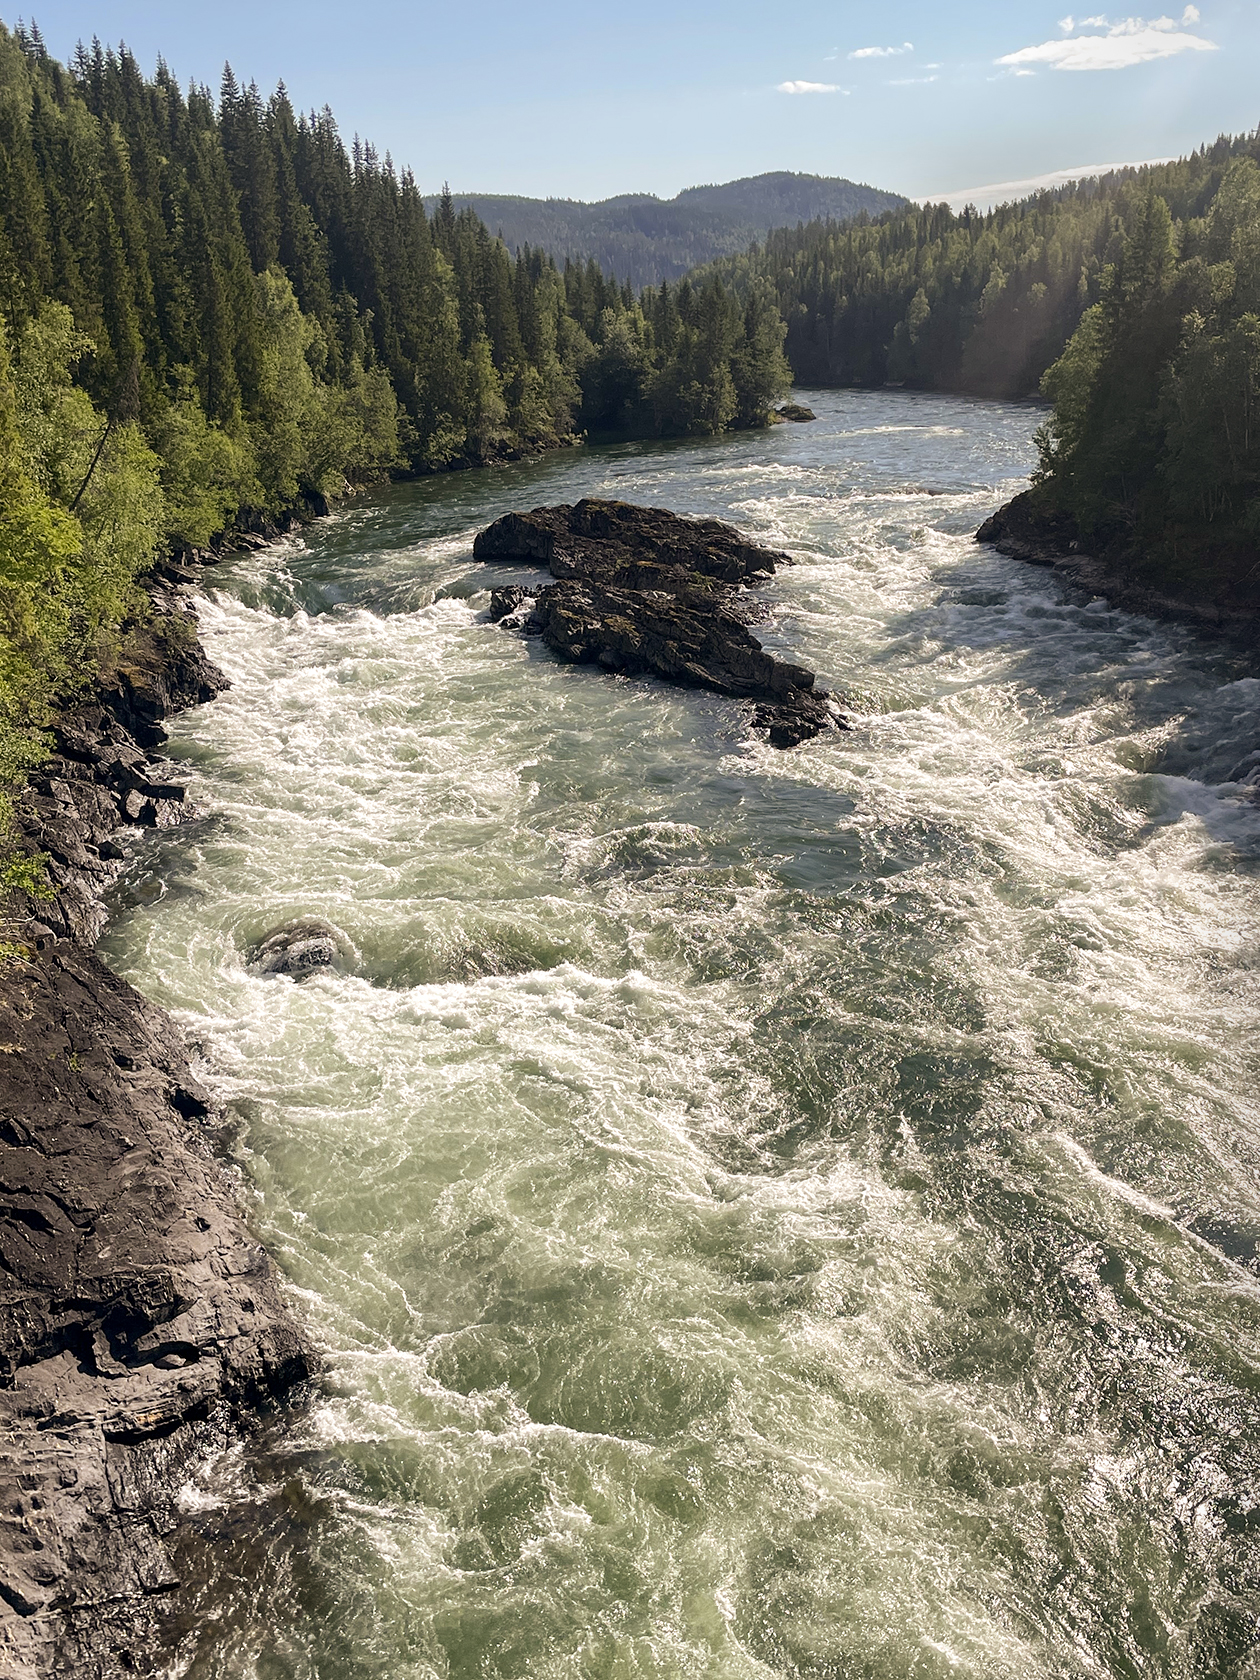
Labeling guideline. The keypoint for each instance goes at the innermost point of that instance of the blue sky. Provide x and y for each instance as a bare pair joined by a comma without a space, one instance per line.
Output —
572,98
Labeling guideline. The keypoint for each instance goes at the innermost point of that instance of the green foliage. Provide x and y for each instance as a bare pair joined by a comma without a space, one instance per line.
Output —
207,475
282,318
1154,443
26,872
677,361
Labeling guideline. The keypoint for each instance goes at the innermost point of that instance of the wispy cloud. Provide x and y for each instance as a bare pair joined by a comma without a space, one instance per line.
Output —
883,52
912,81
1113,46
808,87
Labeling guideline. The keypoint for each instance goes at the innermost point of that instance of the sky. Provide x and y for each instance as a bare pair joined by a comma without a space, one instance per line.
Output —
568,98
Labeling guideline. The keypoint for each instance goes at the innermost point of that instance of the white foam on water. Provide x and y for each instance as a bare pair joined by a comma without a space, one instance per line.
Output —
766,1213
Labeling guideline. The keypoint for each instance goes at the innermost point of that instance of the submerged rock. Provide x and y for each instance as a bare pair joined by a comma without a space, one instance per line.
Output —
642,590
299,948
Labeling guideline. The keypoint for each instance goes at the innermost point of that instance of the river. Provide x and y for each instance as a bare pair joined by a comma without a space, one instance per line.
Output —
766,1214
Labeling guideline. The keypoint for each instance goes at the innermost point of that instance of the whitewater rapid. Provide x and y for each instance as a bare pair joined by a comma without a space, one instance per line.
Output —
767,1214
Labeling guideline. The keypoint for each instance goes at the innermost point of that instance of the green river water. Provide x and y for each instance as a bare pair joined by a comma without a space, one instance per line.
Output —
765,1214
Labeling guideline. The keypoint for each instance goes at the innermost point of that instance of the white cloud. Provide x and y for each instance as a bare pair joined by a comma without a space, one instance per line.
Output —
883,52
912,81
1129,41
808,87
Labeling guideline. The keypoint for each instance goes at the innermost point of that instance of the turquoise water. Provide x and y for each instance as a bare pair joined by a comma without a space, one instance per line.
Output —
765,1214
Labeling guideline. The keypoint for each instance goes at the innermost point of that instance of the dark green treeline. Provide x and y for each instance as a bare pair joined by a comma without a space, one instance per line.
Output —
214,311
1132,303
1153,446
241,263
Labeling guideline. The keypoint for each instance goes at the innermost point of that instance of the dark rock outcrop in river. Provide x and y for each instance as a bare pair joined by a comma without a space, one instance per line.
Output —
140,1323
1026,532
641,590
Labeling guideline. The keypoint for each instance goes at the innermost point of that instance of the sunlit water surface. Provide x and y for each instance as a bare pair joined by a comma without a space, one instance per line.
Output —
766,1214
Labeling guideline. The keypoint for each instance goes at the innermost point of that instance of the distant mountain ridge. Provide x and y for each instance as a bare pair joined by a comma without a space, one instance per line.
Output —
645,239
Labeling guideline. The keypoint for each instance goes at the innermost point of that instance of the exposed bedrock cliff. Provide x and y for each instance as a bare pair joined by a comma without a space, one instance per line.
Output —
141,1325
641,590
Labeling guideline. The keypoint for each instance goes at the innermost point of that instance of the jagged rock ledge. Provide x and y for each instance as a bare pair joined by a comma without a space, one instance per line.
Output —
141,1325
641,590
1026,529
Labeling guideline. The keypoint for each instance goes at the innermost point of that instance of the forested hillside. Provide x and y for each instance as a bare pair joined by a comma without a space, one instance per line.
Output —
972,303
1153,448
646,239
213,312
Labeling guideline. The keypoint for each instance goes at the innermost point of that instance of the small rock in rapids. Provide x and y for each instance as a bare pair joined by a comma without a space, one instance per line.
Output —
506,603
299,948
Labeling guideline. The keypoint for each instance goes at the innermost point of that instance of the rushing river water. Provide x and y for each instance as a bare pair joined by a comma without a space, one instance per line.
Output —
767,1214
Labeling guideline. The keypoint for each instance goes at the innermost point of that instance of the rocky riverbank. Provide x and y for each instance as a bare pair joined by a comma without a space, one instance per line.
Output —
1026,529
643,591
141,1325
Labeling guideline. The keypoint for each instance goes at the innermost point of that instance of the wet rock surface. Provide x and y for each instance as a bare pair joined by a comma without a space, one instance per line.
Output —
644,591
141,1325
105,773
299,948
1025,529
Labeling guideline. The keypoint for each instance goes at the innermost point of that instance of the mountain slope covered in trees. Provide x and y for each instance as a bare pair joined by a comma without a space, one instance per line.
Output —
646,239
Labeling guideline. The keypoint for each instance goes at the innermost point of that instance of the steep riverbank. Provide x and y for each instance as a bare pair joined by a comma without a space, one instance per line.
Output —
1026,529
142,1325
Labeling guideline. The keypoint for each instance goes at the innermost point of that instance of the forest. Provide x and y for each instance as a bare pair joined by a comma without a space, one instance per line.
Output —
648,239
214,312
1153,445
